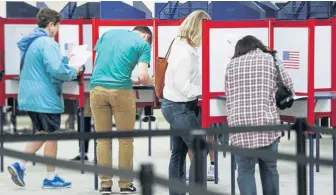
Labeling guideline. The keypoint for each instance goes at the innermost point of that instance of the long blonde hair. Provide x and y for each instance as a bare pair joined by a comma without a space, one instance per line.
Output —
191,28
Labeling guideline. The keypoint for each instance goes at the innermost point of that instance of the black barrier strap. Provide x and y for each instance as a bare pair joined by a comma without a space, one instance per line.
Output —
172,183
271,155
135,133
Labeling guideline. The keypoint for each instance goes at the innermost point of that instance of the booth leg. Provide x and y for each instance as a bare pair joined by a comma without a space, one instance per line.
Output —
216,158
1,144
317,147
233,175
150,118
81,128
311,165
334,158
289,131
95,162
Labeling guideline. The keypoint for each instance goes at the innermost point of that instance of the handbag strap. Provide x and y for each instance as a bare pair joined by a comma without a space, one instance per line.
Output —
169,49
277,67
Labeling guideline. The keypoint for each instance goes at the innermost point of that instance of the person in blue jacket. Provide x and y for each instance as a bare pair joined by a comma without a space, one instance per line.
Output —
43,70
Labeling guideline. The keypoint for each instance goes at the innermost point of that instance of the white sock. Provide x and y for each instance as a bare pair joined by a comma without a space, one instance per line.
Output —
51,175
22,164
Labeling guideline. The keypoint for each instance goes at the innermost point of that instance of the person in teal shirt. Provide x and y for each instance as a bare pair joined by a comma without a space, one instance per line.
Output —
118,52
43,70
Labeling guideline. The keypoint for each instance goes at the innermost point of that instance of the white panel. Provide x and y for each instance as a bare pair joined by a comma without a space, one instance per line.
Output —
218,108
295,40
12,86
222,44
103,29
71,88
13,33
322,69
166,35
68,34
144,95
87,39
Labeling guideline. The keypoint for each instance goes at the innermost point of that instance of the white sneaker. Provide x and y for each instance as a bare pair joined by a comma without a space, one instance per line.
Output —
211,173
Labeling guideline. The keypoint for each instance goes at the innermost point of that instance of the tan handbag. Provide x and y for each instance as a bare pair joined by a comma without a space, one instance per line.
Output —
160,71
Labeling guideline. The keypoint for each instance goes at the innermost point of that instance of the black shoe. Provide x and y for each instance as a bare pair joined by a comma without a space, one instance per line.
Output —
105,191
128,190
78,158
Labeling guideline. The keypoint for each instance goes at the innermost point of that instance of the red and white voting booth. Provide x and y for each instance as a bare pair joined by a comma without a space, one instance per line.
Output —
312,68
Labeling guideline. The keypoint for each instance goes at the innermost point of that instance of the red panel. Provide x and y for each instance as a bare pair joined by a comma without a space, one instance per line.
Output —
323,89
169,22
213,95
2,61
311,66
271,34
125,22
291,24
205,74
20,21
156,51
333,70
81,42
323,22
95,37
238,24
217,119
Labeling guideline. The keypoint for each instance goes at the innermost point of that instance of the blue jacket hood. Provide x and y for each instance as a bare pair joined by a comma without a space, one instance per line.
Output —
25,41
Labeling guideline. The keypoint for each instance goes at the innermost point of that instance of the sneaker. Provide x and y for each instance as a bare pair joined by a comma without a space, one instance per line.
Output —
130,189
78,158
17,174
57,182
105,191
211,173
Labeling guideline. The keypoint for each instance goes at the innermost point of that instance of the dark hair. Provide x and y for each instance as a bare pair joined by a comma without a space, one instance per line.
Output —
46,15
250,43
146,30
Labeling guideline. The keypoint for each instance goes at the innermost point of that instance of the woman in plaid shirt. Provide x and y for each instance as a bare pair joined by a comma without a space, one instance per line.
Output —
250,85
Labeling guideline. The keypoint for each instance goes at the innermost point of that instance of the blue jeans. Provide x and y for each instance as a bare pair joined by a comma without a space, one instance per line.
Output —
180,115
268,173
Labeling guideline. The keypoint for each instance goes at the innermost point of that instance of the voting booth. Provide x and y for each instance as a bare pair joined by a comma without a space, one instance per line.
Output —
304,47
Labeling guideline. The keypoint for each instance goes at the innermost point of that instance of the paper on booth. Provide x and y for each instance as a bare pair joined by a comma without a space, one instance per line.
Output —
80,56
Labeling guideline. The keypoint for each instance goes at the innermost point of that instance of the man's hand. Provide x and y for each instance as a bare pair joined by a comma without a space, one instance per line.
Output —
80,70
136,82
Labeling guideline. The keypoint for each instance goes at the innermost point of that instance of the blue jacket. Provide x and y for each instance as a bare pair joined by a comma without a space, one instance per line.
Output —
43,72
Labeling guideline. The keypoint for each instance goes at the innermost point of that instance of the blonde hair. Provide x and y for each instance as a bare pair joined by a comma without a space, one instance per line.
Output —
191,28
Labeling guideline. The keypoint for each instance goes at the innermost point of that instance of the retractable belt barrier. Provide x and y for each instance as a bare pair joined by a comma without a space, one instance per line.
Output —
197,185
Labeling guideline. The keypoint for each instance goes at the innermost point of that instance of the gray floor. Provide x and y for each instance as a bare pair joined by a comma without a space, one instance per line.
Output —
83,183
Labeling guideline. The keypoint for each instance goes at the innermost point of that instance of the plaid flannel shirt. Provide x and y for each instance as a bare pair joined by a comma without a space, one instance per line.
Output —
250,86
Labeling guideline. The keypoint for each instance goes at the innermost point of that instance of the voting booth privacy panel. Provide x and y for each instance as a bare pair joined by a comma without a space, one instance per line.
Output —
305,48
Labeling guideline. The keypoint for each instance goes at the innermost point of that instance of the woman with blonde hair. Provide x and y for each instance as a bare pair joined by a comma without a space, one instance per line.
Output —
182,86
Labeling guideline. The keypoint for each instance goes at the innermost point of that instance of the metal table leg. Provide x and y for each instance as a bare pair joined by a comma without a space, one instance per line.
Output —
81,128
311,165
233,175
334,158
1,133
216,159
317,147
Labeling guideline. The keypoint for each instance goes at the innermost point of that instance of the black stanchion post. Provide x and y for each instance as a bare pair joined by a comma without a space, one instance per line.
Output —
199,153
146,179
301,126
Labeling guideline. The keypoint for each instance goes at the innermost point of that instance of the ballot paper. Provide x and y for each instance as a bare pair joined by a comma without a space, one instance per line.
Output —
80,56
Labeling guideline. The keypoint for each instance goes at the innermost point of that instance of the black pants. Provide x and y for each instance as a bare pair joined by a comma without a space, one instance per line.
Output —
87,129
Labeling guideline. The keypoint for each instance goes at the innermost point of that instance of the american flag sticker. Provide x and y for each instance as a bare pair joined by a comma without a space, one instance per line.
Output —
291,59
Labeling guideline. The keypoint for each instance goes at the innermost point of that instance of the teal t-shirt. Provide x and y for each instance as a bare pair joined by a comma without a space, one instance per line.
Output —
118,52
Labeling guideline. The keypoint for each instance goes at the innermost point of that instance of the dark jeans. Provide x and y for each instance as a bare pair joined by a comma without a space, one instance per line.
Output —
180,115
268,173
87,129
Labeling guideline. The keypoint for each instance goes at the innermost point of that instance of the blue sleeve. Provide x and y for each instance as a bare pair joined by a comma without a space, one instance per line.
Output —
145,54
56,64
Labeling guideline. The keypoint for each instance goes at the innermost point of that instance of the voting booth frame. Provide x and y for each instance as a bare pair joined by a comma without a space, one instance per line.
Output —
78,91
